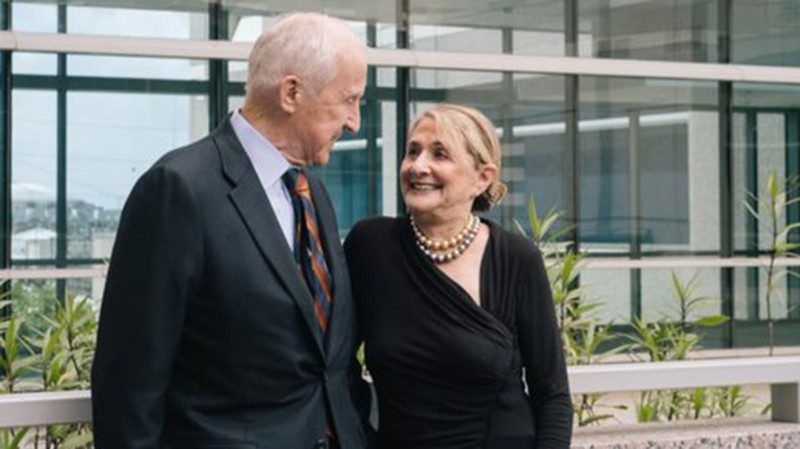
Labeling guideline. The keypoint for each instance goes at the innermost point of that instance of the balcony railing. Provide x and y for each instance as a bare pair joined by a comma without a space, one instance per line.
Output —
781,373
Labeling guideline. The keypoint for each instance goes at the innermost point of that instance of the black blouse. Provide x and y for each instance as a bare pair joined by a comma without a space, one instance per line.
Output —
449,372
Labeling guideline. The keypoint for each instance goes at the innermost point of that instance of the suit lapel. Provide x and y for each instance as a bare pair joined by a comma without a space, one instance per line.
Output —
250,200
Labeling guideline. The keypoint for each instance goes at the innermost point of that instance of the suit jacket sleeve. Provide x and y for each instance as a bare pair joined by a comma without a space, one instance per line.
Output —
154,272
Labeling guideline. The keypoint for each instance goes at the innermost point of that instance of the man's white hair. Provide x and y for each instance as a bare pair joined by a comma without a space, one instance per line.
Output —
307,45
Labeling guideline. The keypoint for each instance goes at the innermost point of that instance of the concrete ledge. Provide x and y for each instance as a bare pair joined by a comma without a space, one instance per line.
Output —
744,433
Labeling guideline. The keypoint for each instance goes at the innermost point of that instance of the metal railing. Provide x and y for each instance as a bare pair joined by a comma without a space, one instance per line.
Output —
782,373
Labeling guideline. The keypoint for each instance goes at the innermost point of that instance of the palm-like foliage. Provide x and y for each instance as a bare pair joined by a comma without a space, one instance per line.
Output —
770,212
55,354
667,340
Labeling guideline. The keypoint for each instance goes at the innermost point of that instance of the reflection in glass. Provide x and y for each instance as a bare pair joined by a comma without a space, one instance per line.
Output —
33,172
445,38
659,299
112,138
669,30
611,289
648,165
765,32
766,139
535,28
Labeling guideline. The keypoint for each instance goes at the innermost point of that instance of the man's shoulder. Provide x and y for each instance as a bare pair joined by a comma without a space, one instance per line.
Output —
191,166
197,153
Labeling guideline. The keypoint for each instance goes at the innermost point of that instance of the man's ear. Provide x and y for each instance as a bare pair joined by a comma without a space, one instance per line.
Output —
289,93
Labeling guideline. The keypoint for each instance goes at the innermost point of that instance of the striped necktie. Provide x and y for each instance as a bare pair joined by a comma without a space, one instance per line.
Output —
308,251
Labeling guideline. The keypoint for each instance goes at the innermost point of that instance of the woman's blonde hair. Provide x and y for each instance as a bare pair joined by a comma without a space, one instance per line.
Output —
470,127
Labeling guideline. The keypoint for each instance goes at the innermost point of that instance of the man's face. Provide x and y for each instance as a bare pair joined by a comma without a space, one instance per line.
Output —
320,120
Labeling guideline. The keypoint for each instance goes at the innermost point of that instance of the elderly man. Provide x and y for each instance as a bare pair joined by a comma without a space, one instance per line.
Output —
227,320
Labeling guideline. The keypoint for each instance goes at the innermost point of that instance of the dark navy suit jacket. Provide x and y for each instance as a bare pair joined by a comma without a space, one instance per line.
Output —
207,335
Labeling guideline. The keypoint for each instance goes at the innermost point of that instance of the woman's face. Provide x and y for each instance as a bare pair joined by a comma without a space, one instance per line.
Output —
438,177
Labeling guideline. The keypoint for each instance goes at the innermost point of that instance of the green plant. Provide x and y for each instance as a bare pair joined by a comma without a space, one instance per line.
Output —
54,354
665,340
773,204
730,401
12,438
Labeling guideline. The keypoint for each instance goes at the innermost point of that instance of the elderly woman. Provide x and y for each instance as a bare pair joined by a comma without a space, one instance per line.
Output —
454,310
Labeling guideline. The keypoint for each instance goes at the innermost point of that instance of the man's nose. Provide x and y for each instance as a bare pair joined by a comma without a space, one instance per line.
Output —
353,121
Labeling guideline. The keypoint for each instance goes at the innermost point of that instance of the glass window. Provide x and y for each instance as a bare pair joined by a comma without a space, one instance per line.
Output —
660,299
520,27
670,30
112,138
750,306
765,32
34,17
652,144
34,302
137,22
33,173
247,20
765,140
611,288
137,67
534,163
33,63
451,38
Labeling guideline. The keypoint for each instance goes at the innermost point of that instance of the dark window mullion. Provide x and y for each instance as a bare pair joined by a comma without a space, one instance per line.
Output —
726,171
403,88
61,157
217,68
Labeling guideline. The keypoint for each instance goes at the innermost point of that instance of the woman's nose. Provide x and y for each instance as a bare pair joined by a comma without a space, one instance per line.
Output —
421,164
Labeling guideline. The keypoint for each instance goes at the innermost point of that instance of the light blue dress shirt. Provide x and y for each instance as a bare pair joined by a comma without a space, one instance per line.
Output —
270,165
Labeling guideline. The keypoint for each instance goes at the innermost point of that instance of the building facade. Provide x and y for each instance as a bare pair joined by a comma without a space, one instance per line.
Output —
650,123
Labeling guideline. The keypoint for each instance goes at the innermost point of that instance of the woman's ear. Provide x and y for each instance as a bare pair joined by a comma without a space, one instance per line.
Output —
289,93
487,174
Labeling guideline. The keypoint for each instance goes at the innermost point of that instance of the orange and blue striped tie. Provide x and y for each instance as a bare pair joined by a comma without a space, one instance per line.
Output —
308,251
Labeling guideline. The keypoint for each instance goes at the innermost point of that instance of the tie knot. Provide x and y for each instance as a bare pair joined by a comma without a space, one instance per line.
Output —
295,180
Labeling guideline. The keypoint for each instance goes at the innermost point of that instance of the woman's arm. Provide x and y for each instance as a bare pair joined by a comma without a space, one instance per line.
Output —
543,358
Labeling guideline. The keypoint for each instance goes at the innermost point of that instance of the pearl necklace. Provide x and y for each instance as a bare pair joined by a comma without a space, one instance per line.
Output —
445,250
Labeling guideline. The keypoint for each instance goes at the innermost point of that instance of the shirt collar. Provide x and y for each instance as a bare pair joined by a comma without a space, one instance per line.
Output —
268,162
